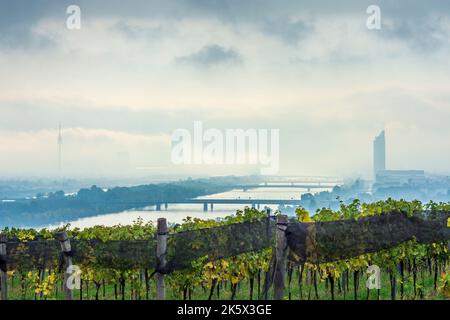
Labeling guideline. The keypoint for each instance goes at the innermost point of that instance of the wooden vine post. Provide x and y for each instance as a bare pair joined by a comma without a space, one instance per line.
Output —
280,267
3,271
161,250
269,236
66,250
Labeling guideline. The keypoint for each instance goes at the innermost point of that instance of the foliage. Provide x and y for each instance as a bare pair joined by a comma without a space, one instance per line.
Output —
404,263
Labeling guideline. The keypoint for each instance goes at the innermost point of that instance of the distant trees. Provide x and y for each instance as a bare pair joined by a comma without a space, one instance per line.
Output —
58,207
56,195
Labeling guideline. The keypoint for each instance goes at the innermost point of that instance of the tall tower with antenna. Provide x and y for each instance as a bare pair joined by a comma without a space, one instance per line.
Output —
59,150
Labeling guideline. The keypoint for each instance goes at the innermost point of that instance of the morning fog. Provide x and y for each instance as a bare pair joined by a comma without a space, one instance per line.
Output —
230,147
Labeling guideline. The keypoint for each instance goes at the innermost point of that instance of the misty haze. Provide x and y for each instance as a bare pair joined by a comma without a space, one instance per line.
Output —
146,121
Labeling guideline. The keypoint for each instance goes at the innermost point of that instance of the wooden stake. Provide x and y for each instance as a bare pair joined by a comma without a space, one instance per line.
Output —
3,273
280,267
66,248
269,236
161,249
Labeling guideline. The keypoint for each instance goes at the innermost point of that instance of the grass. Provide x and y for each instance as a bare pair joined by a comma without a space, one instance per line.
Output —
424,290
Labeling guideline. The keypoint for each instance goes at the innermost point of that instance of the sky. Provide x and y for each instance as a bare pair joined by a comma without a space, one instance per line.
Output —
138,70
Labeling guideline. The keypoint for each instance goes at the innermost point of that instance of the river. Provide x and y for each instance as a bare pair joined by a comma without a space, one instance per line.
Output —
177,212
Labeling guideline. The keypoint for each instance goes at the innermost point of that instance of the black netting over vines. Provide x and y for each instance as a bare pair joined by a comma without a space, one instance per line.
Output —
218,242
182,249
30,255
42,254
117,254
335,240
313,242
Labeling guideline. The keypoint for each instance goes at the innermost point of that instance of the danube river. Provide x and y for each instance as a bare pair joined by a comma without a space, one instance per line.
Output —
177,212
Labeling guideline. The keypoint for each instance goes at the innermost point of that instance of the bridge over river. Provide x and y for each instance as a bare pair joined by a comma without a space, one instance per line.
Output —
280,182
254,203
308,187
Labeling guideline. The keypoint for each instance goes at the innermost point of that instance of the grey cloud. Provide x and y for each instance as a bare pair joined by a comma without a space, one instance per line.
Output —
23,11
289,32
133,31
18,16
336,57
21,37
258,10
17,19
421,35
211,55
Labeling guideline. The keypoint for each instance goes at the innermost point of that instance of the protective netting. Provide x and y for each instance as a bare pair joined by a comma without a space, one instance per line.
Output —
218,242
42,254
117,254
182,249
313,242
336,240
30,255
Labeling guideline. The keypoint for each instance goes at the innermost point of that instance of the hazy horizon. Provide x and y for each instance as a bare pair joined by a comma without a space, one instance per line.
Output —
139,70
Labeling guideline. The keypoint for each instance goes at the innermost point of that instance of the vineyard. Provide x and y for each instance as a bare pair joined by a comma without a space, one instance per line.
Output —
245,256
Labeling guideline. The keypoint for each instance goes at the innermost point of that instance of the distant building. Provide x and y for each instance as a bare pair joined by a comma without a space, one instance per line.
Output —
400,177
391,178
379,153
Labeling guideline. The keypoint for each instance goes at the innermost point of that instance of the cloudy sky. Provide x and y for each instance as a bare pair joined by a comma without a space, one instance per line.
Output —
138,70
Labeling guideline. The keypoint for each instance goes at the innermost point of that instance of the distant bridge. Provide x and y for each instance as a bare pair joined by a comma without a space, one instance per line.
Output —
311,179
307,183
246,187
254,203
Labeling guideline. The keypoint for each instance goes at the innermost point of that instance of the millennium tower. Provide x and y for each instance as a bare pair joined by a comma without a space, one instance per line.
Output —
379,153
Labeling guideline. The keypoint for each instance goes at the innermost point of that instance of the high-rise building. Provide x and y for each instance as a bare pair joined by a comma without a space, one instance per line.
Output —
392,178
379,153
